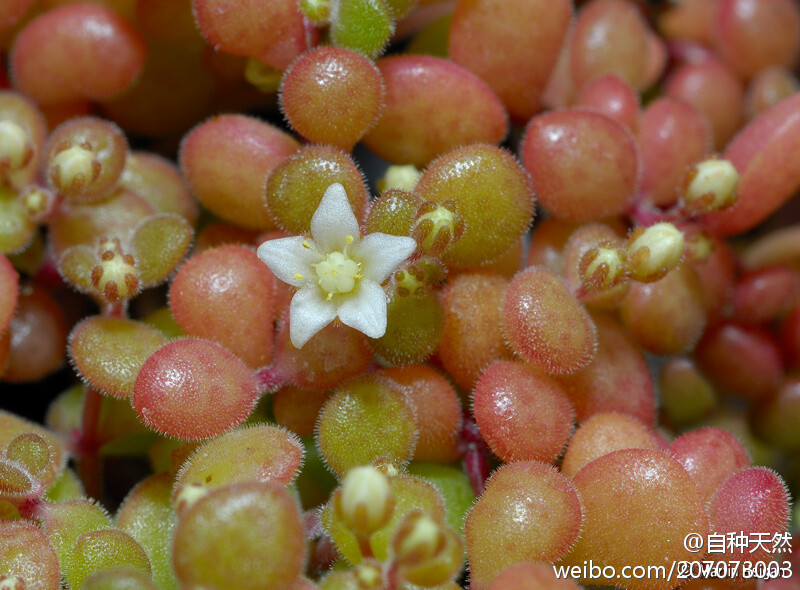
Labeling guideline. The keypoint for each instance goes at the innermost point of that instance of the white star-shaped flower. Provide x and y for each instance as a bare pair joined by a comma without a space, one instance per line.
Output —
339,273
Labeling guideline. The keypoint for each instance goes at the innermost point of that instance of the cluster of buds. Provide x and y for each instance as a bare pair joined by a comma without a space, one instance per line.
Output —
424,550
651,252
647,256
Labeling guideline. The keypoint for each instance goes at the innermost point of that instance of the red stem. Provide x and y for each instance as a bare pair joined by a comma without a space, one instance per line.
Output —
89,441
89,444
364,546
391,576
477,468
473,450
118,309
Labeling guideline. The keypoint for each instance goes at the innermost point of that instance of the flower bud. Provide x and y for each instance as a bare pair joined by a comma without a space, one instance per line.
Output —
116,276
410,281
420,276
189,494
12,583
38,202
437,226
266,78
364,502
697,246
427,552
402,177
602,268
16,147
710,186
653,251
74,167
417,539
368,574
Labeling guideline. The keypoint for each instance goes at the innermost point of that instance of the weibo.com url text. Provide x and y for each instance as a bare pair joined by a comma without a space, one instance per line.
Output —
679,570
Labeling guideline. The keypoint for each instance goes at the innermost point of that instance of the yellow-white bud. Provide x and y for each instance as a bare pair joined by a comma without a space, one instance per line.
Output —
38,202
697,246
402,177
16,148
653,251
711,185
602,268
437,226
12,583
265,78
74,168
368,574
427,551
418,538
365,502
189,494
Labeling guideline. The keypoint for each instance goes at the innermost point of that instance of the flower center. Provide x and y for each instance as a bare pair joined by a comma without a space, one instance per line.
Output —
338,273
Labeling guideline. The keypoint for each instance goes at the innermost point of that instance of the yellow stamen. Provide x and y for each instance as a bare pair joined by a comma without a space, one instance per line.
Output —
337,273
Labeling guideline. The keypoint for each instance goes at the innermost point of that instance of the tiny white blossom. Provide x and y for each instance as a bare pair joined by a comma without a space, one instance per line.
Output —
339,273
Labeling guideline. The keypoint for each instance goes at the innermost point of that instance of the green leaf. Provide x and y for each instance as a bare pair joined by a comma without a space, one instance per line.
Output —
362,25
132,445
158,245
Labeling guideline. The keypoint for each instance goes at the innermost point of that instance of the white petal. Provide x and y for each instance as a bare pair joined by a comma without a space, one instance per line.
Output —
287,256
365,310
333,220
309,312
380,254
